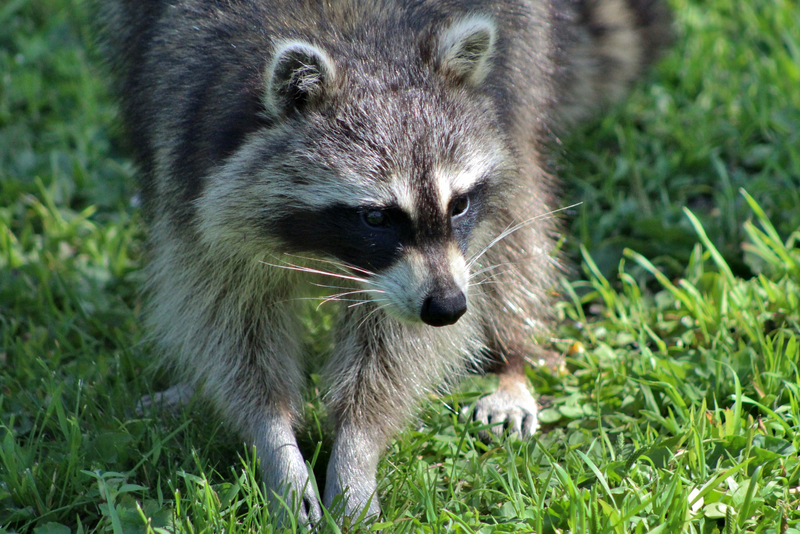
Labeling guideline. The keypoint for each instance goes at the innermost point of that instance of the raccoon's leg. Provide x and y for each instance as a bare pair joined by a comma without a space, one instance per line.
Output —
265,400
353,467
376,375
360,432
513,306
247,358
283,468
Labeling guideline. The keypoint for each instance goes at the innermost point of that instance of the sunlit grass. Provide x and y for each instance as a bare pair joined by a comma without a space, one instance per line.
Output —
677,408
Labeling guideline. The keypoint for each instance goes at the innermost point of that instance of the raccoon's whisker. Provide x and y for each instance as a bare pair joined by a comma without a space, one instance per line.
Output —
355,292
340,295
327,286
493,276
317,298
365,301
357,301
490,268
511,229
346,289
487,281
343,265
311,270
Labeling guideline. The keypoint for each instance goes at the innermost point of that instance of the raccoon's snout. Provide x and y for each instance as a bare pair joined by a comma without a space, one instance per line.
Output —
443,308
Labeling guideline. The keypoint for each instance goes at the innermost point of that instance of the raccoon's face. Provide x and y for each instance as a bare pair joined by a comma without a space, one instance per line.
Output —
392,171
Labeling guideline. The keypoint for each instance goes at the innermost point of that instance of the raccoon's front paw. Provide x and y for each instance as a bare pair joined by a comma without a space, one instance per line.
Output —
352,472
287,474
358,497
511,407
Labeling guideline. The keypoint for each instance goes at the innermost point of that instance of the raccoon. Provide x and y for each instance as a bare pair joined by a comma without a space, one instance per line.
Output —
393,151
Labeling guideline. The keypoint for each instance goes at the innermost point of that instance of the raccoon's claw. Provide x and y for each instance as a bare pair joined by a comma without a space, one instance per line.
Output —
310,512
511,408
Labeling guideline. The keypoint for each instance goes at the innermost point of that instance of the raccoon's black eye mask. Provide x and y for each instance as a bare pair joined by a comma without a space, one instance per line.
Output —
371,237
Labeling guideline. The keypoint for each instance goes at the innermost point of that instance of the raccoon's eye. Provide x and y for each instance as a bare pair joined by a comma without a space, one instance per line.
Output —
375,218
460,206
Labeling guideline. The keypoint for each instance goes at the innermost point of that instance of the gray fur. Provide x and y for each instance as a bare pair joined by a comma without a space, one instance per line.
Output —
277,137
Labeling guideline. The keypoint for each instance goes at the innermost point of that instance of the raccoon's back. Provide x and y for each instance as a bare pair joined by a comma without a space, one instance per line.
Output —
189,79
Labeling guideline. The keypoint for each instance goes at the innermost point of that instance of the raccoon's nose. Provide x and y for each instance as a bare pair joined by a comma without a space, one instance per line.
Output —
442,309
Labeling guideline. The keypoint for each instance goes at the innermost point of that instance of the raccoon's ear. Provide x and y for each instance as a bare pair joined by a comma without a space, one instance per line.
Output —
299,75
465,49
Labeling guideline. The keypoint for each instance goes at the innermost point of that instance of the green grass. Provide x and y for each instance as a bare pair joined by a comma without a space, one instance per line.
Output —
677,408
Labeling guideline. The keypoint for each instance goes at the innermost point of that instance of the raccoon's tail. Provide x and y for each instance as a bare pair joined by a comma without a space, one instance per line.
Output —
610,44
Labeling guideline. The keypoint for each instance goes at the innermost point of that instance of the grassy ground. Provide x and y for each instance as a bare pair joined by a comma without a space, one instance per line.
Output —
678,407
